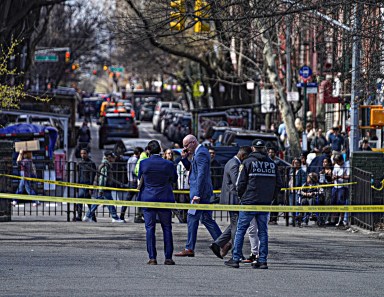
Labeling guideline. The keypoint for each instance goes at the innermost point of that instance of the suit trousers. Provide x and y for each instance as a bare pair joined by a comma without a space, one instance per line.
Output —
165,217
230,232
193,224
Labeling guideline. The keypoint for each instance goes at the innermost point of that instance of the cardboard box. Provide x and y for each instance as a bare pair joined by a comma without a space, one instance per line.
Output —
30,146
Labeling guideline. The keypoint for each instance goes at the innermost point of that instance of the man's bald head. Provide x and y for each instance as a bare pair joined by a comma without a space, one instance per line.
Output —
190,143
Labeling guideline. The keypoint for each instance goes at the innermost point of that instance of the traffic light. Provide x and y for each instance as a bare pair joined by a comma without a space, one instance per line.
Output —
67,57
202,13
177,15
75,66
94,72
105,67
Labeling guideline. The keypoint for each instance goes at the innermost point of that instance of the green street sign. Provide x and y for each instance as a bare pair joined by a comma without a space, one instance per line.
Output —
50,58
116,69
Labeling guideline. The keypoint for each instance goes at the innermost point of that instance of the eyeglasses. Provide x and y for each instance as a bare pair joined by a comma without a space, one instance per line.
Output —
186,146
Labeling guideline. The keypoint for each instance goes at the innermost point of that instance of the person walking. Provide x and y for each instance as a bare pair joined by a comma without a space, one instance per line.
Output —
158,175
200,192
104,179
257,184
27,169
86,169
132,179
228,196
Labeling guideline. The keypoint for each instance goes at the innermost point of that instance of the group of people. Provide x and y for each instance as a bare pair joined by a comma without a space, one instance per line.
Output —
250,178
328,168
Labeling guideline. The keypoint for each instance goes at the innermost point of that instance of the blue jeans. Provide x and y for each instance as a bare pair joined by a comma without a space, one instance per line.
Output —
245,217
339,196
27,185
111,208
193,225
165,217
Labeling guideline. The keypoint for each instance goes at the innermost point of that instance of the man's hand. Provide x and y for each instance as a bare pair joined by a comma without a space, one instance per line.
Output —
196,199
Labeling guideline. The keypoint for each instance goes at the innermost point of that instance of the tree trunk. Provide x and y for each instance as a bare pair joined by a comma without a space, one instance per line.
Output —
284,106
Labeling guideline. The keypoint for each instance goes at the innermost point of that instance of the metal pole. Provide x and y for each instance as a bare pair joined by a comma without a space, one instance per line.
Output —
304,144
354,137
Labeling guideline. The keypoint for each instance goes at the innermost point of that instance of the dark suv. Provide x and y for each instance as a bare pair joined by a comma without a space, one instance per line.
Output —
245,137
115,126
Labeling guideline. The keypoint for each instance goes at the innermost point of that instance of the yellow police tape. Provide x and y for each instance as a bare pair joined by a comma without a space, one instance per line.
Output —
379,189
217,207
92,187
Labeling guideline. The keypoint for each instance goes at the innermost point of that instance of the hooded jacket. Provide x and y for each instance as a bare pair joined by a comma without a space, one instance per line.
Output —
258,180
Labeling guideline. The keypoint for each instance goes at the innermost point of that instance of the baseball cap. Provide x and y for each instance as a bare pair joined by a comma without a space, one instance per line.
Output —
109,154
258,143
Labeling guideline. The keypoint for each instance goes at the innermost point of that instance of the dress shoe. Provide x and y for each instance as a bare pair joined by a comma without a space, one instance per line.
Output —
226,248
258,265
215,249
232,263
152,262
169,262
185,253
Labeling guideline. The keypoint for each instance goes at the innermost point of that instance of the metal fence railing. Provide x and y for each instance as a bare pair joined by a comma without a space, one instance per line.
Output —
360,194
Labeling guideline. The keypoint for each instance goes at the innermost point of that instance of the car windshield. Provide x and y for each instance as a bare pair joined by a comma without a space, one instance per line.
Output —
120,121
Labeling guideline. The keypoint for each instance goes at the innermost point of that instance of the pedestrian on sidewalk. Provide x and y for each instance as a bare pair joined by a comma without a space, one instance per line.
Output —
86,169
104,178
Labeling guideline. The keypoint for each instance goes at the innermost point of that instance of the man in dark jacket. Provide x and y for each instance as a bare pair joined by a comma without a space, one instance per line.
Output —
228,196
158,176
317,163
87,172
257,184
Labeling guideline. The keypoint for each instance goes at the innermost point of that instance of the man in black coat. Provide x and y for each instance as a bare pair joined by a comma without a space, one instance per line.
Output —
257,183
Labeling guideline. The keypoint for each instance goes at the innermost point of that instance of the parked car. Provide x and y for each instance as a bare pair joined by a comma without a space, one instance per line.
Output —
180,127
146,111
125,147
160,106
114,126
245,137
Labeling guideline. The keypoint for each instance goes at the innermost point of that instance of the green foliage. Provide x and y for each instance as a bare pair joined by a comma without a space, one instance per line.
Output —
11,94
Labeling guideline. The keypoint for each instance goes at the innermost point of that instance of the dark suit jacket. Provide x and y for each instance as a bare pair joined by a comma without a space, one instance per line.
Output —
228,190
159,175
200,175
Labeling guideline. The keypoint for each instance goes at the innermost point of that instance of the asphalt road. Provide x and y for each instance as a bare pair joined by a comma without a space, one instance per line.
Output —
146,131
51,257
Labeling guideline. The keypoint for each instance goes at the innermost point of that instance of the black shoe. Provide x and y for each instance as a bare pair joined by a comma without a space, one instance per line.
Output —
258,265
252,258
139,220
215,249
169,262
232,263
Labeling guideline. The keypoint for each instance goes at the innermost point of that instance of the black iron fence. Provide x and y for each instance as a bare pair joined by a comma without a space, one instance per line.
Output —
361,193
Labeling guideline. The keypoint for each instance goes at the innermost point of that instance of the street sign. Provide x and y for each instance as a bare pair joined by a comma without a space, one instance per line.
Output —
46,58
305,72
309,85
116,69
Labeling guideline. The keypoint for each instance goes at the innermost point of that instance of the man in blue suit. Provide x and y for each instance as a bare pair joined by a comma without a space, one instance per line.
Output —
200,192
158,176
